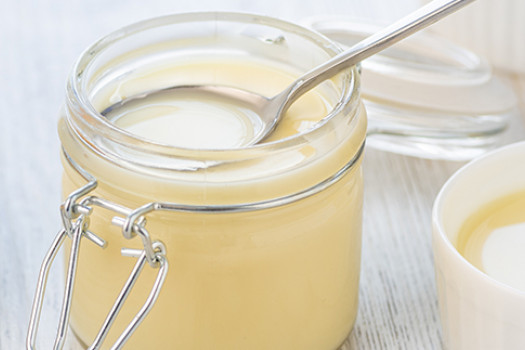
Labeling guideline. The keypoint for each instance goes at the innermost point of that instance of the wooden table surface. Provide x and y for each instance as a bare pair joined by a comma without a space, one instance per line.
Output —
39,41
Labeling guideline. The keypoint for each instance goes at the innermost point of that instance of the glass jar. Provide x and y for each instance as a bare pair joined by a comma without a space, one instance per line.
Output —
263,241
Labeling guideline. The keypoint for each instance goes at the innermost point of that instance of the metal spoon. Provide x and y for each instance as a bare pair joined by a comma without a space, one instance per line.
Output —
271,110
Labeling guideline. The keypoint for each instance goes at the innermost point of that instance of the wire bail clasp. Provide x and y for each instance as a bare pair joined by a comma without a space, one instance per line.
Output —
160,257
75,217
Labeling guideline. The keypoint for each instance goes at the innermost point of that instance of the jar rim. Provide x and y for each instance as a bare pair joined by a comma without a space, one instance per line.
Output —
83,114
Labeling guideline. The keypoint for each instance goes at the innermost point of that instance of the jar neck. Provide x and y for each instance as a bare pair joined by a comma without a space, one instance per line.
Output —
102,148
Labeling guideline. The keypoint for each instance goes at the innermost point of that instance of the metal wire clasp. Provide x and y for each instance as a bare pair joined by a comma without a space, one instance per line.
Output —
75,217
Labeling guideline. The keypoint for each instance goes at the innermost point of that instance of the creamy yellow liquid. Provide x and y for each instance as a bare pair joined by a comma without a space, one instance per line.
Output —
493,240
279,278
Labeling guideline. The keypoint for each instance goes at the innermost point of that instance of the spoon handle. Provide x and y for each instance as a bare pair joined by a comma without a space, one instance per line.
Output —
406,26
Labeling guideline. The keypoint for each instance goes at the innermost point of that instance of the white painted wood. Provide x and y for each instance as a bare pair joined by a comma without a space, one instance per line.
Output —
39,41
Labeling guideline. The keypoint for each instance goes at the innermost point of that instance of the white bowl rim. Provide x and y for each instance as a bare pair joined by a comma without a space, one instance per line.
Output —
437,221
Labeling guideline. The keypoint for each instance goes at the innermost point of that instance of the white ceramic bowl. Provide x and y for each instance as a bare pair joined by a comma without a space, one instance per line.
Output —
477,312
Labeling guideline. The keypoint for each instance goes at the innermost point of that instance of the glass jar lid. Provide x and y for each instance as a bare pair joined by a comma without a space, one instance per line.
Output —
425,96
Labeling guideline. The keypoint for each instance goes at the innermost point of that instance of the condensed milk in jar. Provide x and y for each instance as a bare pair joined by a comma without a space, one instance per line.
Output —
182,234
